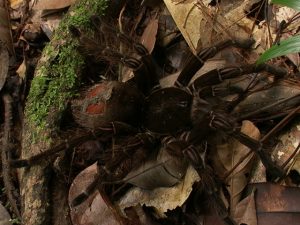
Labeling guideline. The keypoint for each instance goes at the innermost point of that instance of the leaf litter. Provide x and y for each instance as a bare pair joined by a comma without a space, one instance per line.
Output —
201,25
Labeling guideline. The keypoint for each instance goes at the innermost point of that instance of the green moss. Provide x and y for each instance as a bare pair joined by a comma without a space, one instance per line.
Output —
56,77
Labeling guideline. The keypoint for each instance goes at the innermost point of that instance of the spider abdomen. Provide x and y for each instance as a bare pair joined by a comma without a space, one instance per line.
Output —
109,101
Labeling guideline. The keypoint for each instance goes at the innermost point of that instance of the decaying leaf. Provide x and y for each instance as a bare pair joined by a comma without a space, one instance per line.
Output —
5,218
148,38
53,4
228,155
78,185
94,208
245,211
165,171
4,62
276,198
277,204
202,24
21,71
162,199
98,214
286,148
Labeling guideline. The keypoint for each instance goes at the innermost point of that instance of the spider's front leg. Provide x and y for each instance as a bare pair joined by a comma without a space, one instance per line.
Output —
216,76
195,62
196,156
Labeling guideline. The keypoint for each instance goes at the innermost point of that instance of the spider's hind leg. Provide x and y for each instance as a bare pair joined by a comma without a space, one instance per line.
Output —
227,124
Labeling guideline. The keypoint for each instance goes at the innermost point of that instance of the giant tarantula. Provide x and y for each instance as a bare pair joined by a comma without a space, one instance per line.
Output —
182,117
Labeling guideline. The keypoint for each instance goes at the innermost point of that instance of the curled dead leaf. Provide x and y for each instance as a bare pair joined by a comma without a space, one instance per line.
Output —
165,171
162,199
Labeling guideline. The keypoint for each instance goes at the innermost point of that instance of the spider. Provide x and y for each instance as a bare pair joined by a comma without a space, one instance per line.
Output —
180,116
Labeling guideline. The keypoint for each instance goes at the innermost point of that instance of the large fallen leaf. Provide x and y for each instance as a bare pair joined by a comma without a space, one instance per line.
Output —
277,204
94,210
245,211
165,170
53,4
202,24
276,198
162,199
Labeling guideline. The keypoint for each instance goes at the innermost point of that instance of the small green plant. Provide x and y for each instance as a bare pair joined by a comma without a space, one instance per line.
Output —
287,46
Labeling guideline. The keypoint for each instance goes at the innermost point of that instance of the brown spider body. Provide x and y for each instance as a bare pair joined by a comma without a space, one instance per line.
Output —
143,113
106,102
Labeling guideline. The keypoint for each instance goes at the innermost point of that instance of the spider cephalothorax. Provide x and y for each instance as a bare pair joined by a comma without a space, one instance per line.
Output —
147,114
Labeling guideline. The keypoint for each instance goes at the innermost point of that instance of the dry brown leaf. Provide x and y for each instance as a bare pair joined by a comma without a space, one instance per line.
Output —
165,171
286,13
162,199
245,211
276,204
202,24
286,146
78,185
4,63
148,38
53,4
21,71
276,198
138,216
280,218
228,155
5,218
98,214
94,208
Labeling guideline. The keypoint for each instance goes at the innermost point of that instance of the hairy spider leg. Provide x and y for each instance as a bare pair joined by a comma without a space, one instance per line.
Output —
105,132
195,62
203,85
283,107
217,76
226,123
196,156
208,181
